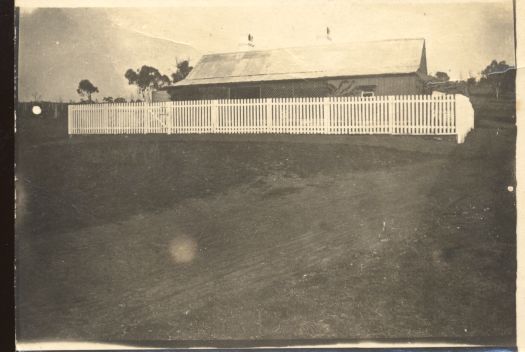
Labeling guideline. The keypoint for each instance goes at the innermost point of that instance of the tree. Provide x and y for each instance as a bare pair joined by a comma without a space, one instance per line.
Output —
495,67
442,76
471,81
86,88
343,89
107,99
36,97
146,79
183,69
119,100
497,74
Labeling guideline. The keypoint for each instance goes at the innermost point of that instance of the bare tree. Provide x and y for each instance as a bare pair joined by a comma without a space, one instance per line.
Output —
35,97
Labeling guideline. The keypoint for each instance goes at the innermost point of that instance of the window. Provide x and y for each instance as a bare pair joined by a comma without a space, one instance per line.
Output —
245,92
367,91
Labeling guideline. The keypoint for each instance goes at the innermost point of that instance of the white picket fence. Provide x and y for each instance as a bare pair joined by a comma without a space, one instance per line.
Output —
402,115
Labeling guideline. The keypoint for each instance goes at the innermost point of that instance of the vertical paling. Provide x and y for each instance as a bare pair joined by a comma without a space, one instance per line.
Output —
408,115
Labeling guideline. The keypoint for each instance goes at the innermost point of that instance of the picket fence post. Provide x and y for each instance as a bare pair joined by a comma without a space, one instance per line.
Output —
326,114
168,120
214,116
458,123
69,119
269,114
391,114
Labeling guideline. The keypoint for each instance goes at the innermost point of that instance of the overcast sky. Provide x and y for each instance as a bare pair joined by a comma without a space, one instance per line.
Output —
462,37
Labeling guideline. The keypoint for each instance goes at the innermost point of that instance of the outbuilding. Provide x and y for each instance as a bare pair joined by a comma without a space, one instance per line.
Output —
387,67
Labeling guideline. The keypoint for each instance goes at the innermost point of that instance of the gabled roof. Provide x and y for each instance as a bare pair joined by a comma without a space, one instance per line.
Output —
330,60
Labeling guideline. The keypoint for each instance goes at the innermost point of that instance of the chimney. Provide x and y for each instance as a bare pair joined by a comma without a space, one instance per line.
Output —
324,37
250,40
248,44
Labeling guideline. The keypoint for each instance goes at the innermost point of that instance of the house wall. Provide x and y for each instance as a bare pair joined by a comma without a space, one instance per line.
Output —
160,95
384,85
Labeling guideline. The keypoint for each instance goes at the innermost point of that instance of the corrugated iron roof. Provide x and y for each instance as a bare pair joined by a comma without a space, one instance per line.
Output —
331,60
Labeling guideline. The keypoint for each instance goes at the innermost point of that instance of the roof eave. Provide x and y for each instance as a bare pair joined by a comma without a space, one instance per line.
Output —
186,83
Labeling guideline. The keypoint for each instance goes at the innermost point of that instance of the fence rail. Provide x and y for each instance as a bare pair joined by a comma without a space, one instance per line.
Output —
405,115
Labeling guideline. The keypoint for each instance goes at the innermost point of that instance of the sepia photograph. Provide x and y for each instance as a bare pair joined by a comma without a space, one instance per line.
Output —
223,173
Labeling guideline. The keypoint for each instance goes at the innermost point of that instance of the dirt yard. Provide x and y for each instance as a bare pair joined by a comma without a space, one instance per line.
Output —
184,239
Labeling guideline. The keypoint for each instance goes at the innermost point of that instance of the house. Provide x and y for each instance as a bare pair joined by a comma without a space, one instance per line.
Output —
388,67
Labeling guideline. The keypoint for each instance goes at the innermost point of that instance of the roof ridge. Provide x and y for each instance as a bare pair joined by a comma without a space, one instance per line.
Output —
312,46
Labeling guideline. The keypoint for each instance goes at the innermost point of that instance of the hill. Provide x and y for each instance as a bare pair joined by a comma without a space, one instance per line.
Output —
59,47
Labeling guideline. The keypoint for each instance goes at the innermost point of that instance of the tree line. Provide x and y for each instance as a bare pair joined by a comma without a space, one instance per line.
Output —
145,78
498,76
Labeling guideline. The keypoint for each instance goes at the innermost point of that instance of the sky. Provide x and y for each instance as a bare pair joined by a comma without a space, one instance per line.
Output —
462,37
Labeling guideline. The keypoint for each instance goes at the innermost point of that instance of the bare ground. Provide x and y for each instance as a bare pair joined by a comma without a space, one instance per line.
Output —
183,239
